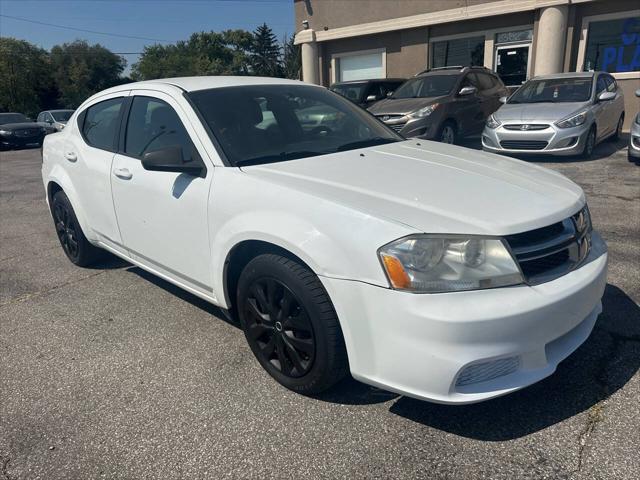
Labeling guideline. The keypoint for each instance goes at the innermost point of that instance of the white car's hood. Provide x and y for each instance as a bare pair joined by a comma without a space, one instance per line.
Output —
434,187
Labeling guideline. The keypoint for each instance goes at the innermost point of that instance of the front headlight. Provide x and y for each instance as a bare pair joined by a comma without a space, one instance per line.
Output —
5,132
492,123
424,112
573,121
437,263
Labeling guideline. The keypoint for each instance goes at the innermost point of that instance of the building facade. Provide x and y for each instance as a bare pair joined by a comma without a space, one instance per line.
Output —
356,39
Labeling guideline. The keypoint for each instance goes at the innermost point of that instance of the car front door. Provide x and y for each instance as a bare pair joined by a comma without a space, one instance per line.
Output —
469,111
163,215
88,157
602,110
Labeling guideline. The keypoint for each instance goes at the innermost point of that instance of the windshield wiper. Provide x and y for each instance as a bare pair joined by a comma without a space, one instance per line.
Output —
279,157
365,143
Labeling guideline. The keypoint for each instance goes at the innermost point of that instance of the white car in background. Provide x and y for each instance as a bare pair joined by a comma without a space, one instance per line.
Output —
427,269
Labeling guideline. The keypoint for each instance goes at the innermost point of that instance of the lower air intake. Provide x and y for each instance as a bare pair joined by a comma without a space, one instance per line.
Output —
481,372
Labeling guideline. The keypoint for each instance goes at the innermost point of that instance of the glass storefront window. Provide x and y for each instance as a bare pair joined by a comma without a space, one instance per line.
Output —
613,45
462,51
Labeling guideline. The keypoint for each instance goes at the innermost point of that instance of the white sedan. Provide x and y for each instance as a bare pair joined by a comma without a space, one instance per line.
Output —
431,270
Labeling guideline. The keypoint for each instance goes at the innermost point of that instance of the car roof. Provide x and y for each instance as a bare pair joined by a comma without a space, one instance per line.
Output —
60,110
554,76
348,82
192,84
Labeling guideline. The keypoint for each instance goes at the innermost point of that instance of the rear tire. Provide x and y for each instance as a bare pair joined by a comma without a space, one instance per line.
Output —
290,324
75,245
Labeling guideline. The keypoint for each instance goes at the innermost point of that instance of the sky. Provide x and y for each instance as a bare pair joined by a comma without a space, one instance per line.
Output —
152,21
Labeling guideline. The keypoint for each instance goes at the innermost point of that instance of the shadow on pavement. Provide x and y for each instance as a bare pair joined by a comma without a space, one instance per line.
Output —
184,295
600,367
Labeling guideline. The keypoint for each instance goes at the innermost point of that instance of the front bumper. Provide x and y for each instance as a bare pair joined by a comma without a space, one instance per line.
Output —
467,347
557,141
12,141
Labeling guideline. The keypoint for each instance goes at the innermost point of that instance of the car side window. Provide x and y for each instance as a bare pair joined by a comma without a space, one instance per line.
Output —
485,81
153,125
601,85
471,80
611,83
100,123
40,118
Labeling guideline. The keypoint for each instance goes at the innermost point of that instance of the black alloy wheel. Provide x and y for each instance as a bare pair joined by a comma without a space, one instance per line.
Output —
66,229
290,324
279,326
75,245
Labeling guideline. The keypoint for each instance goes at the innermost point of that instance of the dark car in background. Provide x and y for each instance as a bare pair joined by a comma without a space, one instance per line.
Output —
17,131
367,92
443,104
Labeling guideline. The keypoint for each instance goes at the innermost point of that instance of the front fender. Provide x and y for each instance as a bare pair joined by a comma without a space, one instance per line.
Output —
333,240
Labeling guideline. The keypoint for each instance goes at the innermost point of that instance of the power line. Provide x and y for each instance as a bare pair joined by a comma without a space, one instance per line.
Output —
86,31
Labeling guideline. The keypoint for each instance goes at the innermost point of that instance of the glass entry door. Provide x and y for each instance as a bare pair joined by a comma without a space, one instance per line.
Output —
512,63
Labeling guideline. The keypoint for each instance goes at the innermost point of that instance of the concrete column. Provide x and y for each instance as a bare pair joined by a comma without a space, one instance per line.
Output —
310,60
550,41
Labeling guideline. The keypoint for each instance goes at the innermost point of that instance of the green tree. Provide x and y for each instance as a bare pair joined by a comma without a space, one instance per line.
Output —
291,59
205,53
265,53
26,84
80,70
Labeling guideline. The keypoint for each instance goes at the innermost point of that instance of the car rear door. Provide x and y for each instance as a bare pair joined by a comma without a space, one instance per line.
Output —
162,215
88,156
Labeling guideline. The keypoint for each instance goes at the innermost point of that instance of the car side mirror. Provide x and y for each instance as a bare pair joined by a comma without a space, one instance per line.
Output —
169,159
504,99
49,121
391,93
606,96
467,91
371,98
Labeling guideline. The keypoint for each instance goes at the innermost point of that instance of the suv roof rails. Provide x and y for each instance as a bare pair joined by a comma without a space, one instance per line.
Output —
462,68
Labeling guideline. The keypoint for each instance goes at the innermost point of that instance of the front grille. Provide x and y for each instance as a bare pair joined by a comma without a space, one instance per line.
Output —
526,126
27,132
523,144
484,371
552,251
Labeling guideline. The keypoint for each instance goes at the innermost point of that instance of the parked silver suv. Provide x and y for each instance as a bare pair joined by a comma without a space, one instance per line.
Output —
562,114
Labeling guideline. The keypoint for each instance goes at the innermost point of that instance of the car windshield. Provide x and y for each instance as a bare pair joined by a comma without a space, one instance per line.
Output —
12,118
352,91
273,123
62,115
429,86
555,90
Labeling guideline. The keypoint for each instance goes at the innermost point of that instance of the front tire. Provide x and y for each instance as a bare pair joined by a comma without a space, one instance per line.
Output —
290,324
448,133
616,136
589,144
75,245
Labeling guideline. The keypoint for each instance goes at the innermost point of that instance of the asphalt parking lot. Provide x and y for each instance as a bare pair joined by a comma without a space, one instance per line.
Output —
113,373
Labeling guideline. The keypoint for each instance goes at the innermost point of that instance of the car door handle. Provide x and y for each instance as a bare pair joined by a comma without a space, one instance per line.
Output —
123,173
71,156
